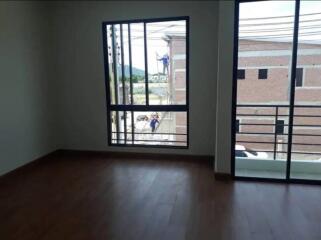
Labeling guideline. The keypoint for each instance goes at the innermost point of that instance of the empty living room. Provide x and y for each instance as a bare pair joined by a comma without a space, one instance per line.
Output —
160,120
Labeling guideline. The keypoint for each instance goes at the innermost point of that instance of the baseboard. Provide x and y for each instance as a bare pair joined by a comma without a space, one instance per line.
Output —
139,155
222,176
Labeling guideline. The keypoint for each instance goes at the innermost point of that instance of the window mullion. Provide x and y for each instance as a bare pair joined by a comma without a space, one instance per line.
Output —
146,66
292,86
115,76
123,80
131,80
130,65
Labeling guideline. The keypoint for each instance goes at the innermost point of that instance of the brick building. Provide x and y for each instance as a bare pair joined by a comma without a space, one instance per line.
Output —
263,79
177,79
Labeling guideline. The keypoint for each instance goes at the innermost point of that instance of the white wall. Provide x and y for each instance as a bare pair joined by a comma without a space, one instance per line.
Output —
80,70
26,114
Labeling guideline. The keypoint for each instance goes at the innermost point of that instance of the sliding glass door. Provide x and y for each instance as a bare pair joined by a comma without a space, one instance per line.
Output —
306,136
277,81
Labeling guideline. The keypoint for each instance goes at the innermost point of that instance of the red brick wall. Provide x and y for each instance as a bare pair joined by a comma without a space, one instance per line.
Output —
177,77
275,90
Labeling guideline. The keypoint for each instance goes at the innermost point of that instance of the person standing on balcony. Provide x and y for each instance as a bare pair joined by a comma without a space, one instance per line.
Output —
165,61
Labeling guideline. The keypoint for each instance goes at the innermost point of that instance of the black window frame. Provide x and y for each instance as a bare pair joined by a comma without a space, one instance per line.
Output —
291,105
240,74
263,74
139,108
237,125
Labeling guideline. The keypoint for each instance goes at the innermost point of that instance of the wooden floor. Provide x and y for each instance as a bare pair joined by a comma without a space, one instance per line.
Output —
91,196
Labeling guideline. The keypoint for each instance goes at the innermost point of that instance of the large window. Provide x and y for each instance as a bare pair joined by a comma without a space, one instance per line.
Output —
281,117
146,68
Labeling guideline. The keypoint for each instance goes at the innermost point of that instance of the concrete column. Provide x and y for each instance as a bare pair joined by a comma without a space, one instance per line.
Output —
224,87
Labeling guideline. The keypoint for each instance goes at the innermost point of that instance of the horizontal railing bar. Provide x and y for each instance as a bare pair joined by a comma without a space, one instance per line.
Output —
121,139
305,125
277,105
273,124
260,142
150,108
271,151
129,133
151,20
307,144
306,135
312,153
306,115
175,146
260,124
307,106
262,105
260,115
260,133
294,134
271,115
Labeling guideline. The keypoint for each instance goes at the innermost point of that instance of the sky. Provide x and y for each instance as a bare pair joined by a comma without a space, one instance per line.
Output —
156,45
262,20
273,20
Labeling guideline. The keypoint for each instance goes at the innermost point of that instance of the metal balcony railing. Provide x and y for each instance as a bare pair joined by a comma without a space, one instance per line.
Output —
305,117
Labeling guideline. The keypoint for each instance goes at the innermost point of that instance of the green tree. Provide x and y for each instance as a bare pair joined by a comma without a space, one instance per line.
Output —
135,78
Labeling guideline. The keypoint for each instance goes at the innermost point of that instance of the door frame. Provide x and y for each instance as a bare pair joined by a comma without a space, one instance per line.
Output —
287,178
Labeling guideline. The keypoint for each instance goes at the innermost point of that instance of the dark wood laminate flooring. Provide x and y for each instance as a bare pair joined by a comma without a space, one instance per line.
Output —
92,196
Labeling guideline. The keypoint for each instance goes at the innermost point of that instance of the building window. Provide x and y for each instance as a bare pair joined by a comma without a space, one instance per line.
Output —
146,68
279,127
263,73
299,77
237,126
241,74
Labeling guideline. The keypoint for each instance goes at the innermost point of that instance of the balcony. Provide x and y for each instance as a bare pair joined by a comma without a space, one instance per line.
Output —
262,134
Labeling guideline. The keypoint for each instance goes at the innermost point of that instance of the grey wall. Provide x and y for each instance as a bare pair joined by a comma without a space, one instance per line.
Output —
81,90
26,113
224,87
52,93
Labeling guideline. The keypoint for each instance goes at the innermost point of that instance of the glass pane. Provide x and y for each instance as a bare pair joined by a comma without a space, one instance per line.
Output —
118,126
138,63
151,128
166,52
306,147
115,58
265,43
125,91
120,55
111,53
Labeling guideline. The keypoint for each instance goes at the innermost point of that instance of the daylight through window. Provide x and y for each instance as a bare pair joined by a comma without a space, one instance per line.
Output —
146,66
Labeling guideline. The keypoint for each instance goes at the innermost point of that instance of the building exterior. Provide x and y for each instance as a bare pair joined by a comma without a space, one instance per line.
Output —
165,88
264,83
177,80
